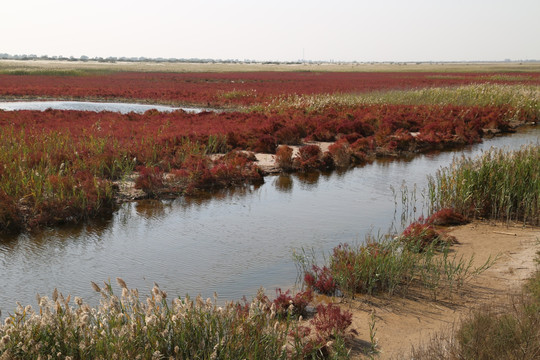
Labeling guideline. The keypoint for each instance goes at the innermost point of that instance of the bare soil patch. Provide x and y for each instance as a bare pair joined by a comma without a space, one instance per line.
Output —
403,322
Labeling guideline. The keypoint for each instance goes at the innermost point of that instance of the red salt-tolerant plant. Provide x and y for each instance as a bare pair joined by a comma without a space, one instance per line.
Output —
447,217
265,144
299,302
341,153
10,218
351,137
325,127
198,172
419,235
330,321
361,148
300,332
238,155
344,265
320,280
403,140
156,137
149,179
284,157
308,158
329,324
108,145
290,134
327,161
234,168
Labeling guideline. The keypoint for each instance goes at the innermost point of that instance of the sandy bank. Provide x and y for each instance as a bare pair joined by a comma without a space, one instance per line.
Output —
403,322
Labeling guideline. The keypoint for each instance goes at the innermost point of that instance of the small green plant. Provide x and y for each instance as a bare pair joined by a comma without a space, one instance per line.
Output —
373,343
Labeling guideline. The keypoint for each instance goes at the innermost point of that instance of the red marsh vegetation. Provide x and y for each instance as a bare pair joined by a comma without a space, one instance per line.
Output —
67,166
232,89
58,166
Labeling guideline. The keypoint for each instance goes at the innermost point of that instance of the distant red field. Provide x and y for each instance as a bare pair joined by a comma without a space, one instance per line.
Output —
226,89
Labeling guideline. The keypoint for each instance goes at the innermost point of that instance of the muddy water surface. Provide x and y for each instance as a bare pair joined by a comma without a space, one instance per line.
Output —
231,242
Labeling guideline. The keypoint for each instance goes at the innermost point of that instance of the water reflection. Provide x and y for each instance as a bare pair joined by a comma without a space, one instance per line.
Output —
284,182
151,209
308,180
230,241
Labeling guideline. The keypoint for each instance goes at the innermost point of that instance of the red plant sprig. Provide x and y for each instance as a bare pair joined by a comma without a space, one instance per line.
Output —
321,280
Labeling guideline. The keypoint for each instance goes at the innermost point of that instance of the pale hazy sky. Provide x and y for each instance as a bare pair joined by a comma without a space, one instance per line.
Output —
346,30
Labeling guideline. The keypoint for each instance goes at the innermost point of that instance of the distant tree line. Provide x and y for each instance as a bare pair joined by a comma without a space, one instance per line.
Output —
113,59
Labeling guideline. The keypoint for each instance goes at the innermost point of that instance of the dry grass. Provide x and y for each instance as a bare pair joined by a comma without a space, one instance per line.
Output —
128,327
499,331
523,98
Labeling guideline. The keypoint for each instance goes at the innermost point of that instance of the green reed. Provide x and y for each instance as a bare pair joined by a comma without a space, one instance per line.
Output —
498,185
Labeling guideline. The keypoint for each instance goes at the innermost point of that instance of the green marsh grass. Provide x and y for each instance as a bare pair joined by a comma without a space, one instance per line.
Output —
497,185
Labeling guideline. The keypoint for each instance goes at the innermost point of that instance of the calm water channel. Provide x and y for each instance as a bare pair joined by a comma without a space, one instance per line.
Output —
123,108
231,242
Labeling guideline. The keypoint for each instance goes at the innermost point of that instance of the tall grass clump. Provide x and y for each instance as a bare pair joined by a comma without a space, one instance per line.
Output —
128,327
497,185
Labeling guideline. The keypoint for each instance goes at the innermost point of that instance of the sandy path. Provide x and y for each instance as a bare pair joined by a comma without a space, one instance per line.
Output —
405,322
